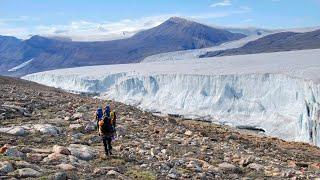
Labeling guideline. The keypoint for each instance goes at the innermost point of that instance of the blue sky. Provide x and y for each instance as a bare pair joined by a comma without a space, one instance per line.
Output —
113,18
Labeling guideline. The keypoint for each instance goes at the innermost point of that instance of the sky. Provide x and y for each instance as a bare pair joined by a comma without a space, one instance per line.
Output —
112,19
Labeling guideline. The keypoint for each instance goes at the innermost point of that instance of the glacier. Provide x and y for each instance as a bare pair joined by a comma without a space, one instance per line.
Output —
279,92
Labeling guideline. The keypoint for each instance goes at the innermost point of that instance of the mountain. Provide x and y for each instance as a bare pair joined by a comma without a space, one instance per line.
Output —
284,41
52,53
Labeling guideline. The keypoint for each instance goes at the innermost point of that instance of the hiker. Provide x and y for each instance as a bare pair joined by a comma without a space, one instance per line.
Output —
106,130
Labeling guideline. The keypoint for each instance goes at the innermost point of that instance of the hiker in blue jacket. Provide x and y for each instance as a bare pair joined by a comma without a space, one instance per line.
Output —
106,129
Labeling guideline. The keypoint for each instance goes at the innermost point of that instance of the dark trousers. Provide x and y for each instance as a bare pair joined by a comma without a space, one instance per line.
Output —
107,144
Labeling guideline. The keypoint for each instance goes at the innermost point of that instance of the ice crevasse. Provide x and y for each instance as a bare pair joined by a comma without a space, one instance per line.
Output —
284,106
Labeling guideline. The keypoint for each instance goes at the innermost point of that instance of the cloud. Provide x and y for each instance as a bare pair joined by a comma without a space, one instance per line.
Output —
17,19
247,20
85,30
222,3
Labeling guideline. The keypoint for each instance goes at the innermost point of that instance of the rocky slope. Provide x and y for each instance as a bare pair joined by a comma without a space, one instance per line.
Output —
48,134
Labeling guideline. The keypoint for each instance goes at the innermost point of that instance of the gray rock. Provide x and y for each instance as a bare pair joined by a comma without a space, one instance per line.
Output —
60,176
46,129
227,167
26,173
77,116
5,167
60,150
14,152
173,173
95,139
76,127
77,135
82,109
24,164
193,165
82,152
91,126
16,131
66,167
256,166
103,170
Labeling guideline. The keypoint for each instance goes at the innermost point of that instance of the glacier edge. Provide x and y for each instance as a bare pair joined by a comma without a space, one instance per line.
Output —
284,106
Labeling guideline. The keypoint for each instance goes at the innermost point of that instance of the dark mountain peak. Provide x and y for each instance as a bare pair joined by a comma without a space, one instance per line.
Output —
9,38
37,38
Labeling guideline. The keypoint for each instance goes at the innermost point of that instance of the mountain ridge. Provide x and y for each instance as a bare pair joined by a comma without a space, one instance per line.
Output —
172,35
283,41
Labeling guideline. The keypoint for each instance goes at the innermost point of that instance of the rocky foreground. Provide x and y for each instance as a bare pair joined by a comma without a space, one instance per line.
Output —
48,134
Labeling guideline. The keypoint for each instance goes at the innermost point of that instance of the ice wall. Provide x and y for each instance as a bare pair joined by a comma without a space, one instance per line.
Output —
284,106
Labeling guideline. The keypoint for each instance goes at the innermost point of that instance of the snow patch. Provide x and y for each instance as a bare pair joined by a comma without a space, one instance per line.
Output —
20,66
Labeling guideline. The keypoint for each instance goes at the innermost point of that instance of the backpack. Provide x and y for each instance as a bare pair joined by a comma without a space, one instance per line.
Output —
107,111
99,113
113,118
106,126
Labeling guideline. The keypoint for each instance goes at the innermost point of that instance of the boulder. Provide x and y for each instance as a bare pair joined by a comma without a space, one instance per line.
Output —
76,127
77,135
66,167
188,133
102,170
82,152
112,174
77,116
60,176
173,173
35,157
91,126
244,161
194,166
24,164
56,158
5,167
255,166
46,129
12,151
82,109
227,167
16,131
26,173
67,118
61,150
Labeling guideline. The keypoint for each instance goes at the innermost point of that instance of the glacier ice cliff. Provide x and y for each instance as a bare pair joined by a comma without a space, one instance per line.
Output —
282,99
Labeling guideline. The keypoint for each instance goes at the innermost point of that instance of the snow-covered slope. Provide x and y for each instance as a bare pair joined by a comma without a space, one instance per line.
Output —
279,92
195,53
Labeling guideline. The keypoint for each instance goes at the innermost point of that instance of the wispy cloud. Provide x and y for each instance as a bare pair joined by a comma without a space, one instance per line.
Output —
246,20
85,30
222,3
17,19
